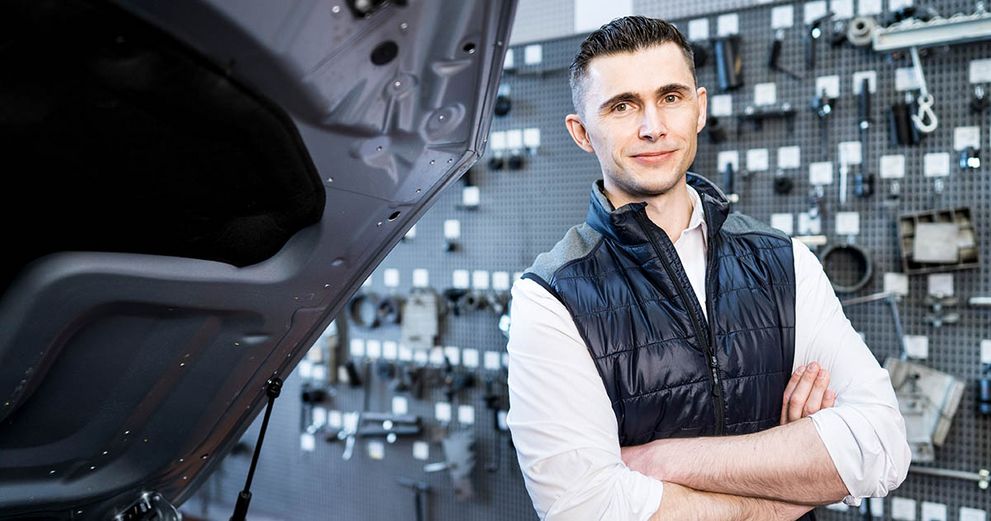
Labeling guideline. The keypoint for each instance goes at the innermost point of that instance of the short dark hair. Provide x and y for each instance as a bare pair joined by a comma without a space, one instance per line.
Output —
626,34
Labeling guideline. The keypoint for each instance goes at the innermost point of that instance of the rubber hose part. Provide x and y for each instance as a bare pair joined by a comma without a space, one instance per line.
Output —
833,263
860,31
363,310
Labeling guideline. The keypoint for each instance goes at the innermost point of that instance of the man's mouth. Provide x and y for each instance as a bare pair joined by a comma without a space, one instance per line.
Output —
653,157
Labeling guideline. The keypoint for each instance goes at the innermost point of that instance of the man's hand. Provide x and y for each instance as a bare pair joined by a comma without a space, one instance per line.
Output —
806,393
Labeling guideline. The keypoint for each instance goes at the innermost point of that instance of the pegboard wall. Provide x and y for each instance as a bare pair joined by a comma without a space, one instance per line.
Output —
521,213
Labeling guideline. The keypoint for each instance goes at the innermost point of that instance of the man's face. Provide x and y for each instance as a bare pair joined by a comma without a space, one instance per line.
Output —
642,115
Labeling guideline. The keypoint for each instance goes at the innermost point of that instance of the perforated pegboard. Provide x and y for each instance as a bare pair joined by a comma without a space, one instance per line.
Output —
522,213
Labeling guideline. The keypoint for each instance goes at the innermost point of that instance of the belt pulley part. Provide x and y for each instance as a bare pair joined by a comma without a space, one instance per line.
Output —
838,258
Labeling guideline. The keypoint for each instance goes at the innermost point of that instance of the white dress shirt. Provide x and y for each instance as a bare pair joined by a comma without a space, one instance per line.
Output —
566,434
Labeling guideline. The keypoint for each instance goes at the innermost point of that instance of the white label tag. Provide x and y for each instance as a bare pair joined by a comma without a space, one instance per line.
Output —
896,283
858,81
405,353
782,17
400,405
452,229
869,7
334,419
722,105
932,511
940,284
757,160
972,514
391,277
442,412
305,368
357,347
466,414
390,350
986,351
892,166
514,139
500,280
842,9
728,157
376,450
980,71
471,196
319,416
937,165
533,54
850,153
808,225
469,358
765,94
821,173
814,10
698,29
421,278
828,84
917,346
421,450
497,140
906,79
373,349
789,157
491,361
728,24
307,442
453,355
847,223
460,279
531,137
319,372
964,137
784,222
480,279
437,356
894,5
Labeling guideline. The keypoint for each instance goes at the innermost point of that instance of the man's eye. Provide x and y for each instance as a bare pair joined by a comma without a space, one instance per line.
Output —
670,98
620,107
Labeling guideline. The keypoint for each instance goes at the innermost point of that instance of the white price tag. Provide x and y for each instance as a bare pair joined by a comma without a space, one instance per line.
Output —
847,223
437,356
452,229
765,94
471,196
940,284
932,511
728,157
972,514
491,361
937,164
307,442
421,450
896,283
892,166
828,84
964,137
319,416
531,137
453,355
319,372
533,54
391,277
906,79
357,347
698,29
460,279
784,222
335,420
728,24
821,173
469,358
497,140
894,5
789,157
400,405
514,139
808,225
757,160
405,353
782,17
917,346
421,278
390,350
305,368
986,351
858,81
869,7
980,71
442,412
500,280
373,349
722,105
466,414
842,9
814,10
850,153
376,450
480,279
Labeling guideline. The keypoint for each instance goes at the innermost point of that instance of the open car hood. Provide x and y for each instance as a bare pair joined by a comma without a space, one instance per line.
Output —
194,188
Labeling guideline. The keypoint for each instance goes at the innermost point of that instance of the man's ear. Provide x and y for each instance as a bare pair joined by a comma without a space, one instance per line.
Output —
703,98
578,132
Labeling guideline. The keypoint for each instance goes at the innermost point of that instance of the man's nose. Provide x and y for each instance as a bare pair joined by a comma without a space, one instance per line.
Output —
652,126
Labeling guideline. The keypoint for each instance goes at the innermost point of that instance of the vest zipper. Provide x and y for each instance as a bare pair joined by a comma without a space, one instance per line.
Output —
708,344
717,389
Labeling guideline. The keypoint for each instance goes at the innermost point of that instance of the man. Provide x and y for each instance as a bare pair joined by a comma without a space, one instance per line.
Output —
670,328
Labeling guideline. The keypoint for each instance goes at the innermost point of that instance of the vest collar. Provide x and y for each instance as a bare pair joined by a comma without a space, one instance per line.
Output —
620,224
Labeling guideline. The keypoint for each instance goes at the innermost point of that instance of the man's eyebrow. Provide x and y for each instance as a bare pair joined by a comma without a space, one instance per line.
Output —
679,88
625,96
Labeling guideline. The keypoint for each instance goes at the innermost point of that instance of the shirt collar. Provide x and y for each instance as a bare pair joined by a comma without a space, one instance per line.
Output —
698,213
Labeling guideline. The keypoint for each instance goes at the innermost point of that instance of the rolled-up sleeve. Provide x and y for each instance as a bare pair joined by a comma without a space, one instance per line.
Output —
865,432
561,420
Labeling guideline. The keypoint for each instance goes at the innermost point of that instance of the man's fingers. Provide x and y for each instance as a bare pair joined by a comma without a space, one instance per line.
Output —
796,403
828,399
789,389
814,403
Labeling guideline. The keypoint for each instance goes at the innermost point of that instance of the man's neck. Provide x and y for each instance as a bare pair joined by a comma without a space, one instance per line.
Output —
670,211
